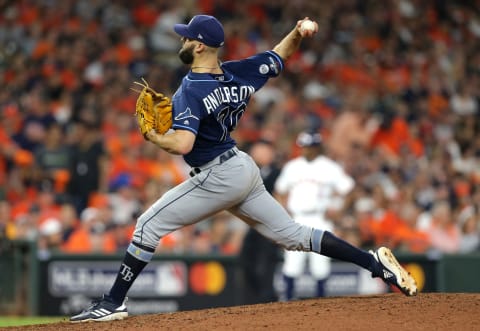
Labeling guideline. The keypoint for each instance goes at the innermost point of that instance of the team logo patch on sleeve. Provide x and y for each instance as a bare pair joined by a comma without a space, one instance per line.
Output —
263,69
186,114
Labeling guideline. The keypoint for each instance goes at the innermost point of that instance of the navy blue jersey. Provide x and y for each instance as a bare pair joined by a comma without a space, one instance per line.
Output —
210,105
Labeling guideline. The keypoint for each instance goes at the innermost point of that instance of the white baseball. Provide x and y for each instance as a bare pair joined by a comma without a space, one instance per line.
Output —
307,26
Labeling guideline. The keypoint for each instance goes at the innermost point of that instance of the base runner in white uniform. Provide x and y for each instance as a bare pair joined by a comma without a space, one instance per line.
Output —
308,186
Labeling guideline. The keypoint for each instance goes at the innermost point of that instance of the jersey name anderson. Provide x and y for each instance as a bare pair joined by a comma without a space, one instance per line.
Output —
210,105
227,94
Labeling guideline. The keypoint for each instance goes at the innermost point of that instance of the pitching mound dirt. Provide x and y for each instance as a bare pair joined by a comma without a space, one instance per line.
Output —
427,311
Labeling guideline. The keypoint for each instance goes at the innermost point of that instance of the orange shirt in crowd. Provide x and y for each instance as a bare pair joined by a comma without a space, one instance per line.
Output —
394,231
168,171
396,137
350,75
145,14
368,228
414,240
438,105
82,242
385,229
395,79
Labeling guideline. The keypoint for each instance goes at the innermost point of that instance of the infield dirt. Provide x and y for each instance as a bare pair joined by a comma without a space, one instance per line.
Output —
393,311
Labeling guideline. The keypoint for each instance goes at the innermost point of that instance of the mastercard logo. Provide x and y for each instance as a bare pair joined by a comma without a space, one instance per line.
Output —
417,273
207,278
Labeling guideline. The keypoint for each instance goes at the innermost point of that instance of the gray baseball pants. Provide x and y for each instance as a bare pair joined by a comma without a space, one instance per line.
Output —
229,182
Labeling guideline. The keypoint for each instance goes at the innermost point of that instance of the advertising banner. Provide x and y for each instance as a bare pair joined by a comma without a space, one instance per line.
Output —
67,284
163,286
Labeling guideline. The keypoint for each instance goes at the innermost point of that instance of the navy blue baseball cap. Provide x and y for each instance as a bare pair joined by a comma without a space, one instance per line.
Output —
204,28
307,139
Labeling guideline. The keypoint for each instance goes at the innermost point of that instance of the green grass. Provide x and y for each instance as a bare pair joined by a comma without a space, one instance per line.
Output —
27,320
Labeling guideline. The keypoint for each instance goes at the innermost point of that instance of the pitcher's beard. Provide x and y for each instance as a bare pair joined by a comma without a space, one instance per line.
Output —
186,55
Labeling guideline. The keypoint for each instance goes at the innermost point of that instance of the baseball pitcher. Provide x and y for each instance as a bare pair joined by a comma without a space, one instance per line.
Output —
204,110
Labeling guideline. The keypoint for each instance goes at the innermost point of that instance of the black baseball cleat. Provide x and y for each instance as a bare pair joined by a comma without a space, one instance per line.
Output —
393,273
102,310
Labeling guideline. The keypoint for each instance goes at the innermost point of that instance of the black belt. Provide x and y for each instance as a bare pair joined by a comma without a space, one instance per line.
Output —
221,158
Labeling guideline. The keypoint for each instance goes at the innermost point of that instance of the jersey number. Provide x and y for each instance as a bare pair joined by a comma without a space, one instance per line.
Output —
228,118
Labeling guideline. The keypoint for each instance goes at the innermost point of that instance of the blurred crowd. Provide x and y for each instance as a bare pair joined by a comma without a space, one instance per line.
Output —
393,86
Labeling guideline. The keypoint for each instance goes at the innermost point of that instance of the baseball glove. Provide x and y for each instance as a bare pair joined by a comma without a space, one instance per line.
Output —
153,110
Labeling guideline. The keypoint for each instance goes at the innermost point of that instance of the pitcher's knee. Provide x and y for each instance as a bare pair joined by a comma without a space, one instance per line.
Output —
299,240
292,245
144,234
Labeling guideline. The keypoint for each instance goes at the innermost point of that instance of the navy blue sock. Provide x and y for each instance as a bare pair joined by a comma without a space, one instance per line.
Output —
289,287
136,258
336,248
